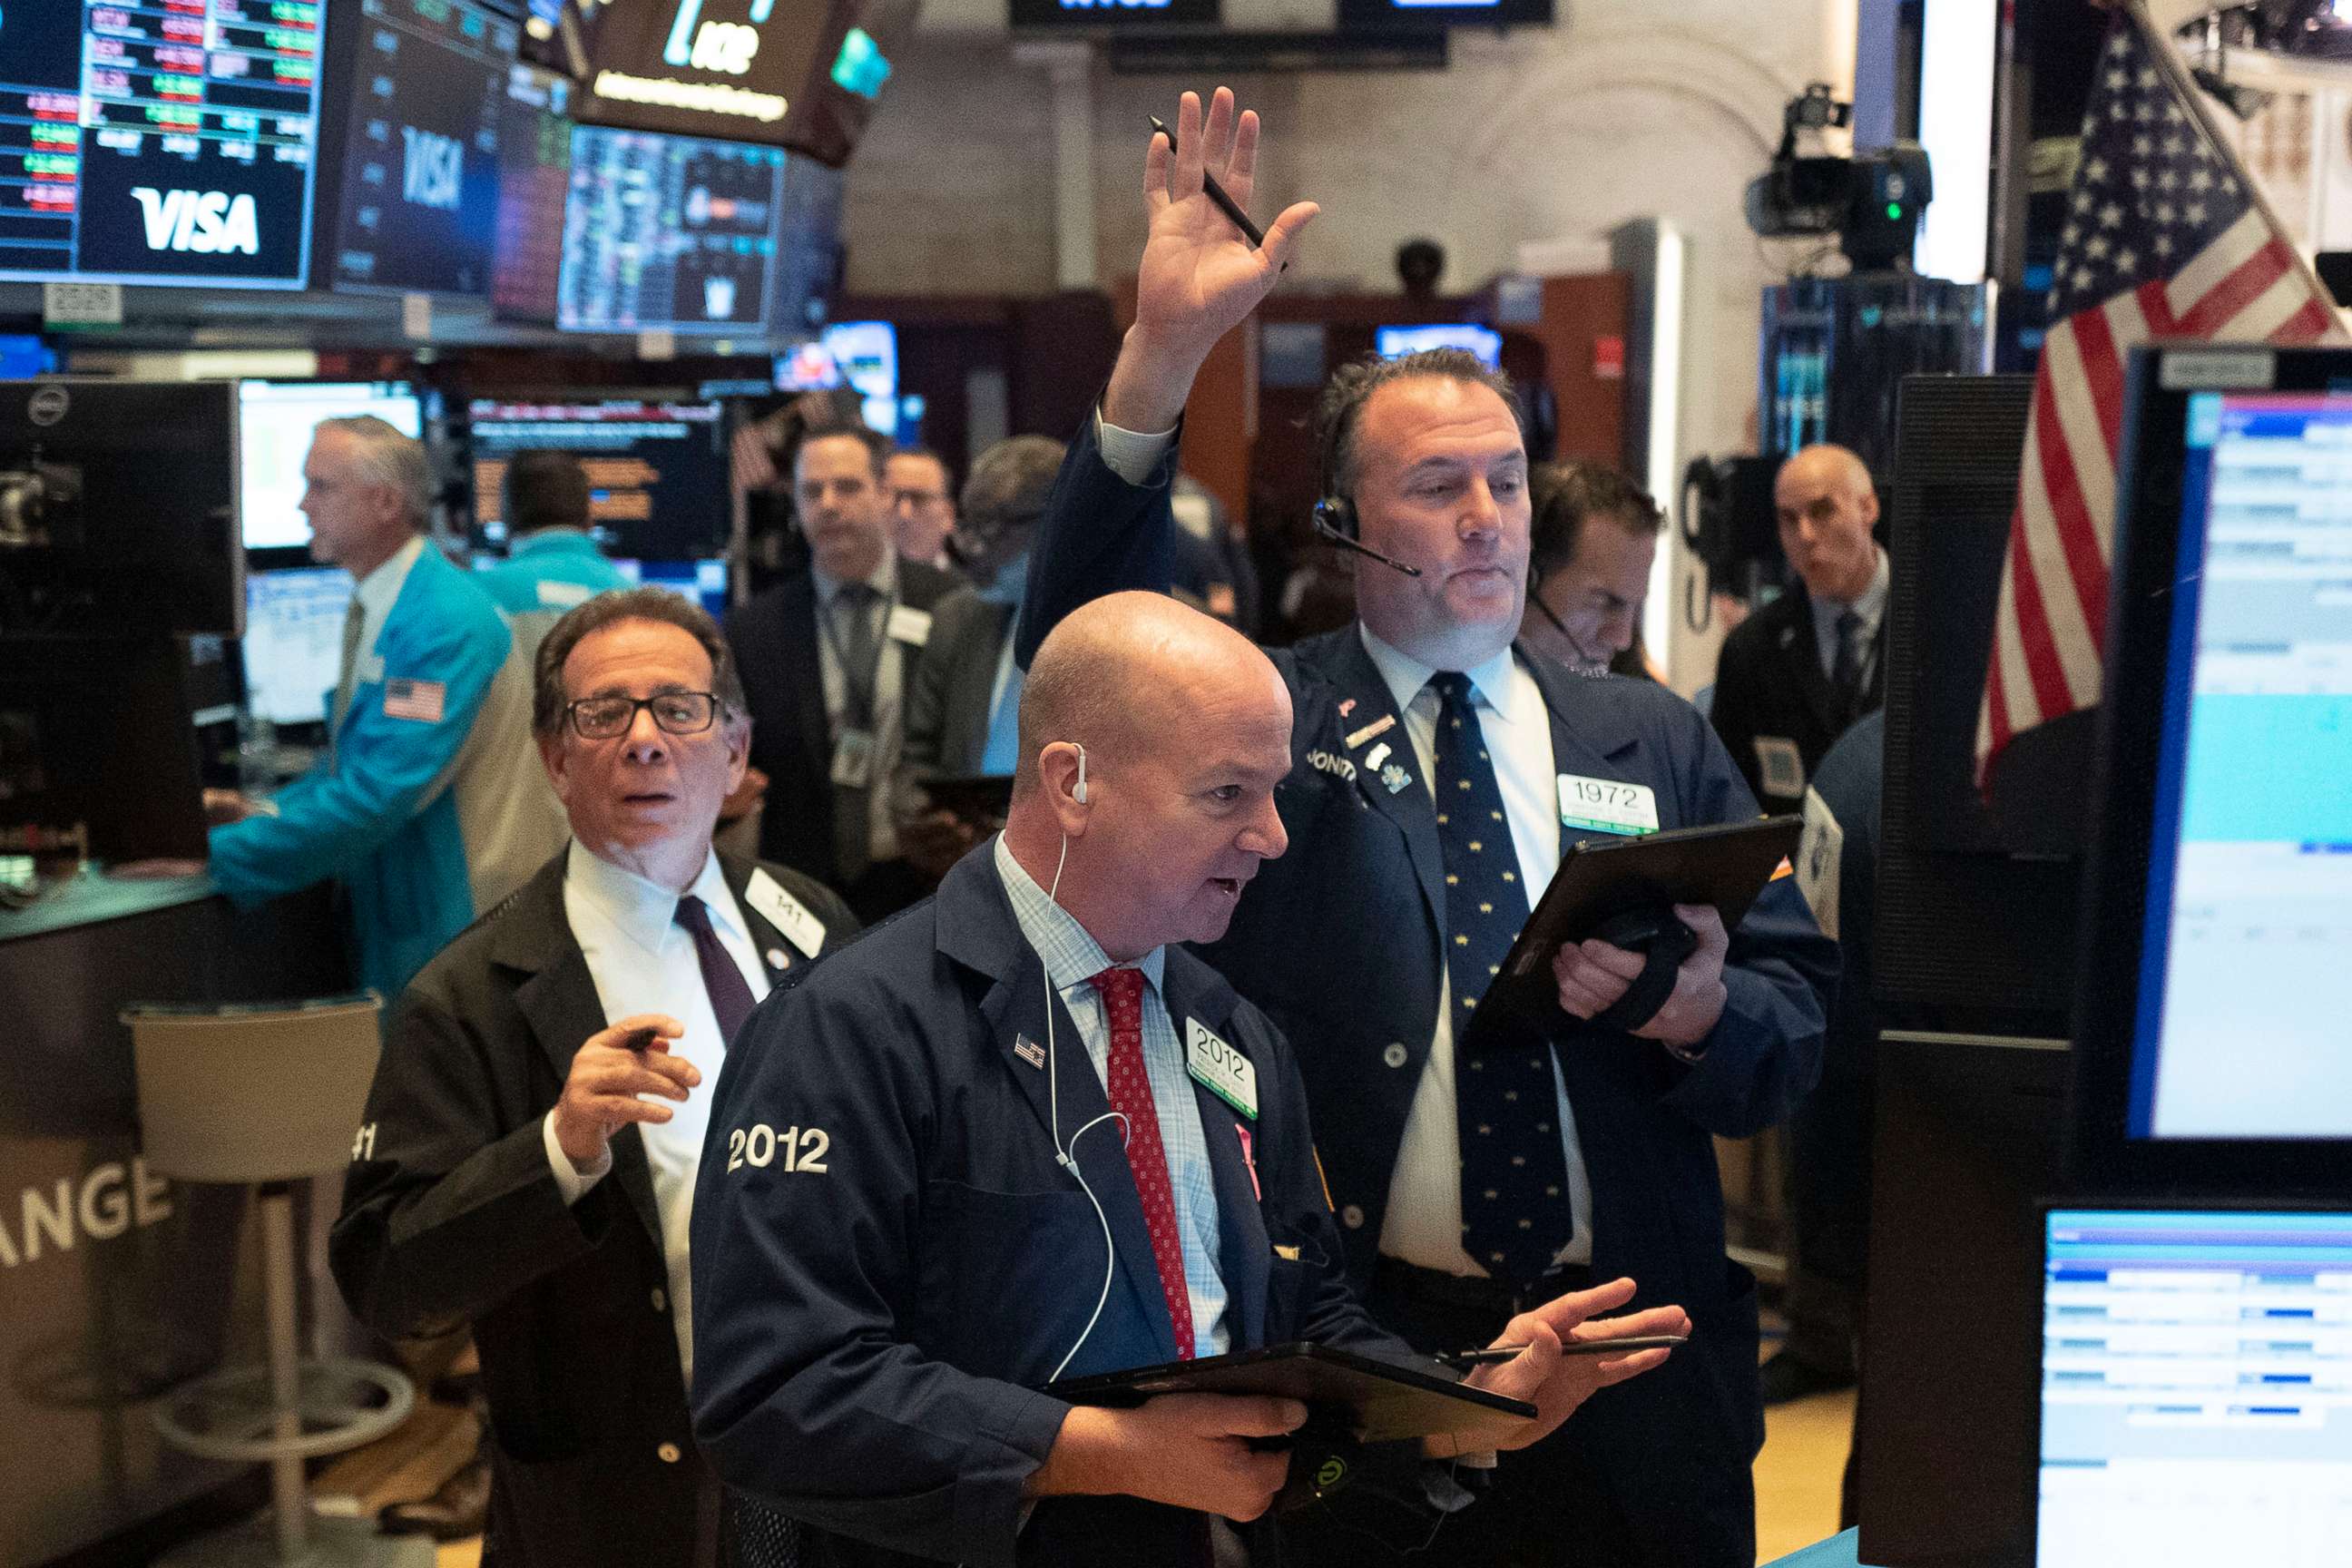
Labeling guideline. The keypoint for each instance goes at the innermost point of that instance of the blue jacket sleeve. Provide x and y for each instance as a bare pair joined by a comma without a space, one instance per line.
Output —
806,1395
386,769
1101,535
1765,1053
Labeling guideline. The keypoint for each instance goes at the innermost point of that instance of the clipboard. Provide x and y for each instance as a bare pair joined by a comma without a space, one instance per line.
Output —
975,797
1727,865
1384,1402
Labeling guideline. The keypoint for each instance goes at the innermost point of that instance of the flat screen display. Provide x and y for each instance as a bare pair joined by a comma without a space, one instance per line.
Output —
2243,991
534,179
808,246
2195,1366
171,143
703,582
670,232
1109,15
1392,14
275,422
1392,342
657,470
703,68
293,643
418,203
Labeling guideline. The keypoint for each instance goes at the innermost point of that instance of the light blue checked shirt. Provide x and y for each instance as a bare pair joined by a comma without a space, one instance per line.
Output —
1073,959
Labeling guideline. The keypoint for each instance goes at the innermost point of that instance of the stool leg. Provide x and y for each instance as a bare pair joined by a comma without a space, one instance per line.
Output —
287,1494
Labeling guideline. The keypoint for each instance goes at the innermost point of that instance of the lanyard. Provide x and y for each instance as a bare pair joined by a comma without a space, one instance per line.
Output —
858,691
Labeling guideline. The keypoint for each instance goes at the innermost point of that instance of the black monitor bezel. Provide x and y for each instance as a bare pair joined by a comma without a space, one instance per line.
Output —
2158,384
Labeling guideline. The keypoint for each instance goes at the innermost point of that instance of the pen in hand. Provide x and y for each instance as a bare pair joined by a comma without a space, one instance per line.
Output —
1225,204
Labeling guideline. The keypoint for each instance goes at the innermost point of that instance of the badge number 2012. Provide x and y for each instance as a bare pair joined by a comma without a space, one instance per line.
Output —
798,1150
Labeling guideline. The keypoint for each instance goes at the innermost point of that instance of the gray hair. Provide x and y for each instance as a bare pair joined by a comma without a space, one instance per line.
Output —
548,700
1352,385
1010,482
387,458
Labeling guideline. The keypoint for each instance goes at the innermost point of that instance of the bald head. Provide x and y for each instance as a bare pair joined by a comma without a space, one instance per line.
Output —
1130,670
1185,730
1826,507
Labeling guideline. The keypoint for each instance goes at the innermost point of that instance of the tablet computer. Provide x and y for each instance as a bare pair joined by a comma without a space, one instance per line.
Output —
1386,1401
1722,864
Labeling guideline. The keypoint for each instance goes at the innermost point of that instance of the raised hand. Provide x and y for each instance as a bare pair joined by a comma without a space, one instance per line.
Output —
1199,277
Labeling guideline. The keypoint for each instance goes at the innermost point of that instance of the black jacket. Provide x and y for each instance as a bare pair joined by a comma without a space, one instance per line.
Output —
774,640
1770,685
452,1216
1338,941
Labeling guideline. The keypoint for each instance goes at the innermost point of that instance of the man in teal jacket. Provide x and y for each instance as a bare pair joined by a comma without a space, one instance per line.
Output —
420,805
552,564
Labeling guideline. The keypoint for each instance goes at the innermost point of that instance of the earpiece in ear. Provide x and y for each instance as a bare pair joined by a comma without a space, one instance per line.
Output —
1080,793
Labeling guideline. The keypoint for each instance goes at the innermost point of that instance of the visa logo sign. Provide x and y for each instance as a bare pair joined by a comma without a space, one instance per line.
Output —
435,171
200,223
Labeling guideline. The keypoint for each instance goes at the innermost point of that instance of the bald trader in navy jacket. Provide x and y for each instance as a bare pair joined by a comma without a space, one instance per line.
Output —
1340,941
889,1258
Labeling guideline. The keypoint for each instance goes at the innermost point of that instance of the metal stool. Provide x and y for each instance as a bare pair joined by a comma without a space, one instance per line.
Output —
269,1096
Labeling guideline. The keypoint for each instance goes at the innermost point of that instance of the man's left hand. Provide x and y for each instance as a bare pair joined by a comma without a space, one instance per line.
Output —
1593,975
1556,1383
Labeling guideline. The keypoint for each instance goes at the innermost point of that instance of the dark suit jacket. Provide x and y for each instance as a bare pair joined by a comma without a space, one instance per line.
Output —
774,640
451,1216
948,695
1340,941
870,1335
1769,683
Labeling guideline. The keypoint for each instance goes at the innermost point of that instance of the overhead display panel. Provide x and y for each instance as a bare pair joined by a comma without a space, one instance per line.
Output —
702,68
171,142
1110,16
1392,14
675,233
418,198
534,181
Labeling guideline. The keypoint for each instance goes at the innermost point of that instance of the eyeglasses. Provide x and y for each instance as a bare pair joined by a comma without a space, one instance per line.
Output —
675,712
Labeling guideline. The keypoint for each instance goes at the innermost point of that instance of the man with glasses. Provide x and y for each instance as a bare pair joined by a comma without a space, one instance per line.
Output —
922,505
528,1154
964,705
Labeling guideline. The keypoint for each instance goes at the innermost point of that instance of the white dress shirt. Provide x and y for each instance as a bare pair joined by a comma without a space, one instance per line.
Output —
1423,1227
885,722
643,961
374,596
1870,607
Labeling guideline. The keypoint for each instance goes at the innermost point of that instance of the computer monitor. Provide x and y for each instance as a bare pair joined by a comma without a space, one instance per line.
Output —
669,233
2212,1014
534,181
2195,1369
118,505
275,420
1393,342
422,88
293,643
164,145
867,355
657,471
703,582
96,734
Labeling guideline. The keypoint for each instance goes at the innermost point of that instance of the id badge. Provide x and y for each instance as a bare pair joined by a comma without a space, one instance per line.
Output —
853,759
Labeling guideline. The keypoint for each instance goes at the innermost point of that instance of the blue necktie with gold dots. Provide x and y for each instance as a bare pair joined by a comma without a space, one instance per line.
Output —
1515,1213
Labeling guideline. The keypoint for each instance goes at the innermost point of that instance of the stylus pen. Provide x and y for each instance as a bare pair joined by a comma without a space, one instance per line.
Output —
1225,204
1625,1346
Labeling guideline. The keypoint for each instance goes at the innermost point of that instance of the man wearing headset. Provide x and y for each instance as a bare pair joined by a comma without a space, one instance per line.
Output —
1019,1135
1592,537
1438,776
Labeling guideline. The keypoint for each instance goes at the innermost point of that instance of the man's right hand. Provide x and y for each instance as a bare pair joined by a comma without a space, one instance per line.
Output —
1187,1450
600,1093
1200,277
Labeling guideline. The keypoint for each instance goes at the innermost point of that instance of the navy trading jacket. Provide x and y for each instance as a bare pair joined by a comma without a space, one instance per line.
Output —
888,1260
1338,941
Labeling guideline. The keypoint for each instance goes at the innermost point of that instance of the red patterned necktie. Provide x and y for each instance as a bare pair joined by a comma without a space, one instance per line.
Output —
1147,1157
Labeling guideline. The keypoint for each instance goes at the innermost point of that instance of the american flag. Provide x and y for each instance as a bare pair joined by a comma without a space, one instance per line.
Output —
2163,240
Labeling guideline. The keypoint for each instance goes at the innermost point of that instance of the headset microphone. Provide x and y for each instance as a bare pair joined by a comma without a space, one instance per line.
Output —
1335,520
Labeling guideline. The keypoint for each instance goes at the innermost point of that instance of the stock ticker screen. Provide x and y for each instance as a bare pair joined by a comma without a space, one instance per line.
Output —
164,142
667,232
658,480
420,162
534,180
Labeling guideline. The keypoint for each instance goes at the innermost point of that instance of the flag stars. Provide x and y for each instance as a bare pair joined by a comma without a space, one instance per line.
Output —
2110,216
2125,261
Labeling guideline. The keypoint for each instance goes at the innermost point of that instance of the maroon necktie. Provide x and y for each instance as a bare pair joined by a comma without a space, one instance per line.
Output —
1131,1096
730,999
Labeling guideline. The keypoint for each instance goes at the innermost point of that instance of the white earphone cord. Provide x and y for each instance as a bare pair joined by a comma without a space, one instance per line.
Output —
1063,1155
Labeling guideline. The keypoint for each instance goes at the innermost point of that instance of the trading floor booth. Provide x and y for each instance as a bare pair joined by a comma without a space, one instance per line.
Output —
2109,1316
